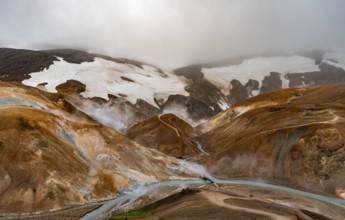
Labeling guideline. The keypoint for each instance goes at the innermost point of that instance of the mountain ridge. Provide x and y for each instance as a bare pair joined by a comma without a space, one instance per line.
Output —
79,128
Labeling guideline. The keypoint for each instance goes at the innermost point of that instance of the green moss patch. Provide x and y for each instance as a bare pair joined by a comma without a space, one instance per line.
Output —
131,215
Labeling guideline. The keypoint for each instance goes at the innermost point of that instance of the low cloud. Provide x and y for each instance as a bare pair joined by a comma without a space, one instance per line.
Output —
173,33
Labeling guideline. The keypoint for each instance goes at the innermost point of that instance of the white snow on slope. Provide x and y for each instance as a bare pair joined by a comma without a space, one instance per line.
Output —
338,56
103,77
257,69
223,105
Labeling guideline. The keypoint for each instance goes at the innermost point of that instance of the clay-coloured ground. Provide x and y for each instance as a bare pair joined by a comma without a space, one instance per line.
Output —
238,202
298,139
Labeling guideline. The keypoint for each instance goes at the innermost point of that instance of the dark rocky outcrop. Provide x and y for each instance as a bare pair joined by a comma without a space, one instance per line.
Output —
251,85
328,74
198,110
16,65
71,56
237,92
201,89
271,82
71,87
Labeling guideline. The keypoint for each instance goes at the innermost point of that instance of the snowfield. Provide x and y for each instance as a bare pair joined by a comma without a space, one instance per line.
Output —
257,69
336,58
103,77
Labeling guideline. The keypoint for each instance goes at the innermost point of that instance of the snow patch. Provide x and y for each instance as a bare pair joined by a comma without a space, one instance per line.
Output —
255,93
223,105
103,77
285,81
338,56
257,69
334,64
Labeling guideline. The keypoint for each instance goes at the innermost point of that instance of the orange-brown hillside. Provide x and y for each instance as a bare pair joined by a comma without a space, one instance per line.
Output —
51,159
167,133
298,139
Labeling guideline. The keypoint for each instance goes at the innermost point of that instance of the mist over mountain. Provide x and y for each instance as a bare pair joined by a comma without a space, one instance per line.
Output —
172,109
89,136
174,33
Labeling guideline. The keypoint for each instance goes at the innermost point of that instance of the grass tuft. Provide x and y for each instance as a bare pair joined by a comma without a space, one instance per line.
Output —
131,215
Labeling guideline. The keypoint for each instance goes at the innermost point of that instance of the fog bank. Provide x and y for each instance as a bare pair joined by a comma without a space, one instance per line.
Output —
173,33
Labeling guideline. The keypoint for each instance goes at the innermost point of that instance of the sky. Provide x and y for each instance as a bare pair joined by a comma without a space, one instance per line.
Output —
173,33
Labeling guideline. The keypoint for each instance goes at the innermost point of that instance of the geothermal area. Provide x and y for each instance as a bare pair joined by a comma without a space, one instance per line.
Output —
89,136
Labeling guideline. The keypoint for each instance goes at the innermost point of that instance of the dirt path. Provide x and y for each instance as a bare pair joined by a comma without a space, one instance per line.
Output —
159,118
